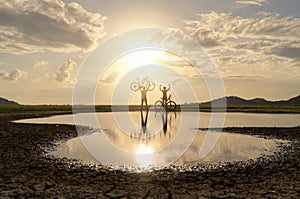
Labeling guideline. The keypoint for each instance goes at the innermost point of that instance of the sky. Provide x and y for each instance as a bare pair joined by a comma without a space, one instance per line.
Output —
254,44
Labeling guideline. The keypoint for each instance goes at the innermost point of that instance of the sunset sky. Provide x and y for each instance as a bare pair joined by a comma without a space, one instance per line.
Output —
255,44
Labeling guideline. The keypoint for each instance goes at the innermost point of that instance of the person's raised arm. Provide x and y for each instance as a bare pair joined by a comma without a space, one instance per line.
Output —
147,87
160,88
168,87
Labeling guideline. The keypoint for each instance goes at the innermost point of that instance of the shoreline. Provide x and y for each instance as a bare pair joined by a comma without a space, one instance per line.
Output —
27,172
272,109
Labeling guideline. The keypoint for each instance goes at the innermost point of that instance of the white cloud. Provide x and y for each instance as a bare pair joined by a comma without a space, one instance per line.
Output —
62,74
264,41
223,26
252,2
41,71
13,75
39,25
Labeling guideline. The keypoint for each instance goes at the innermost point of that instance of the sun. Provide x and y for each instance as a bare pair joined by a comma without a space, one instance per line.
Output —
142,57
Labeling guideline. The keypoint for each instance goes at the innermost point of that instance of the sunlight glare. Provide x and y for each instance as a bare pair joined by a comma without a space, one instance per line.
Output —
144,149
145,155
142,57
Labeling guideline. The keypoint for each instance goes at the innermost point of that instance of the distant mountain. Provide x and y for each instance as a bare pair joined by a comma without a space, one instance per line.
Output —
234,100
7,102
292,101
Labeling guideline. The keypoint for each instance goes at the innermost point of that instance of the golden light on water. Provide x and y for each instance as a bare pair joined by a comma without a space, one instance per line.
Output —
144,149
145,155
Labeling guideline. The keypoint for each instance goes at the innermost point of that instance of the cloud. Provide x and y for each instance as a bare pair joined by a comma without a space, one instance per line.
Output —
247,77
39,25
221,27
13,75
41,70
111,78
62,74
286,50
173,63
41,63
252,2
265,40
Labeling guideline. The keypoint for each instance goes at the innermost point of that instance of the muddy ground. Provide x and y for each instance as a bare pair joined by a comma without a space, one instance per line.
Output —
26,172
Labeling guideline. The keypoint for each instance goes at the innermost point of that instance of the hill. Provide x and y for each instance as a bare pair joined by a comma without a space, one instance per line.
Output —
292,101
234,101
4,101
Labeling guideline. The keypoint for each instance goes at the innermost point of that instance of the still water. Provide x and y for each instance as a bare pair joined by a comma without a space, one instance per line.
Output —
144,139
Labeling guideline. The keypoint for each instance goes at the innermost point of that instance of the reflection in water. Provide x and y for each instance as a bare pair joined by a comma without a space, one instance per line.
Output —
144,152
153,131
144,149
144,121
150,132
164,117
167,120
232,119
144,155
230,147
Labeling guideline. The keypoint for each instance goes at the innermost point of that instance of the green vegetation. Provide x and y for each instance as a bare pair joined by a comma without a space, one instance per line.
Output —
257,108
245,108
64,109
34,108
234,104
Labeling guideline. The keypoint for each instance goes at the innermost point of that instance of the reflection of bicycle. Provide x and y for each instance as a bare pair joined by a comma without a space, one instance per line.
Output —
149,85
168,105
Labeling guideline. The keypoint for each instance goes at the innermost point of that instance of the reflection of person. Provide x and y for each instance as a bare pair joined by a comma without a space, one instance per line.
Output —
144,121
164,90
144,90
165,121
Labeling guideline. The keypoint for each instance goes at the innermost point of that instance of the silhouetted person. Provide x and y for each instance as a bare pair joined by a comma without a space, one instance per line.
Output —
164,90
144,90
144,121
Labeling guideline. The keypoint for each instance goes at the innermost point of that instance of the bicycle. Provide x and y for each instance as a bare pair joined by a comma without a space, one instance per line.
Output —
169,105
149,85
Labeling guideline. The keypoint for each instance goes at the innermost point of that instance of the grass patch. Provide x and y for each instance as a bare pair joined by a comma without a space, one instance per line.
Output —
107,108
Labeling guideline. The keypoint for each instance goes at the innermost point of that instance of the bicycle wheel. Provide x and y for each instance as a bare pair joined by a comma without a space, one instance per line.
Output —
134,86
159,105
171,105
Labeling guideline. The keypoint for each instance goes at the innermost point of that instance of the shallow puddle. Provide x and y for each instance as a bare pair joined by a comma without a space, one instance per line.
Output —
154,139
230,147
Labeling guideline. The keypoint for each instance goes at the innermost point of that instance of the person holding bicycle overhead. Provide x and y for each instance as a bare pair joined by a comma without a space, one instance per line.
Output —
143,86
164,90
144,91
